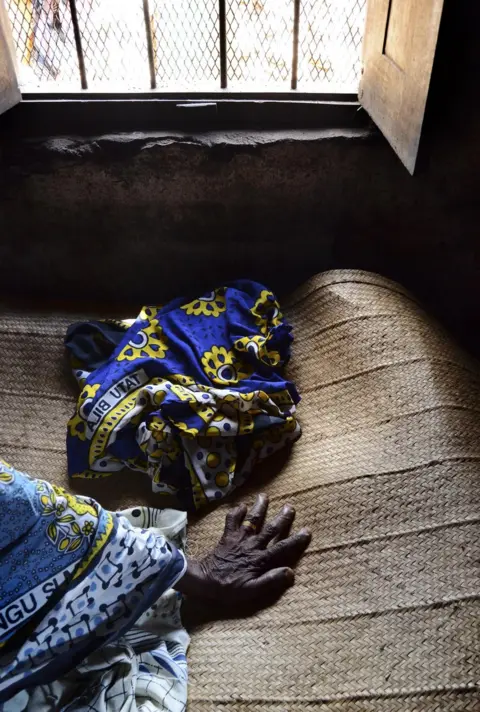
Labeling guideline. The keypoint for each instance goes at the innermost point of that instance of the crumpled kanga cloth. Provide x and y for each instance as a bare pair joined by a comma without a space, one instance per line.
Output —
77,583
192,393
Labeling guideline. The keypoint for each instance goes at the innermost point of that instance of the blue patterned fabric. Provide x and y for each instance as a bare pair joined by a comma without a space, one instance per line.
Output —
73,578
193,393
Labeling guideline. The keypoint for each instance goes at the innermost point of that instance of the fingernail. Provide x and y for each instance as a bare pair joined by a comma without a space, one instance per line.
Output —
290,576
305,533
288,509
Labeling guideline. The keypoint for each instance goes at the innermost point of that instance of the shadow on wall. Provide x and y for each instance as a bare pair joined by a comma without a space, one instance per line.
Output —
143,218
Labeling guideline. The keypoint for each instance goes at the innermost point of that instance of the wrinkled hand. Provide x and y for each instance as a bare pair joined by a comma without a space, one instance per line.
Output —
252,561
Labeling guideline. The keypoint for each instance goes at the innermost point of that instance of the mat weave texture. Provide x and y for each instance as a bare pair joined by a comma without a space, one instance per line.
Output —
386,607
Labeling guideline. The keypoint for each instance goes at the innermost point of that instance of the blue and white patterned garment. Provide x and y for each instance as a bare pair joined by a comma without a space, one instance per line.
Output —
192,393
76,578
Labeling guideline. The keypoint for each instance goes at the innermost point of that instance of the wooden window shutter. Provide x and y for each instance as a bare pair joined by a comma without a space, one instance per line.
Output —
399,48
9,91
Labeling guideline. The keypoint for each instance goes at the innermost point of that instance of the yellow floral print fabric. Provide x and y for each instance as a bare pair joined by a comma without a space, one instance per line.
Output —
187,393
212,304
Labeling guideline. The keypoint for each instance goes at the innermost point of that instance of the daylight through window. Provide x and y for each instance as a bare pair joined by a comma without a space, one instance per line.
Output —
188,45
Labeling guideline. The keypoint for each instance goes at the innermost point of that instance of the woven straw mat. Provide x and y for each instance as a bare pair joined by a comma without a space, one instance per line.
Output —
385,611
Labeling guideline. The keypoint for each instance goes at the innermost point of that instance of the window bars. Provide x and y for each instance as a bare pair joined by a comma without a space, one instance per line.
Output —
195,45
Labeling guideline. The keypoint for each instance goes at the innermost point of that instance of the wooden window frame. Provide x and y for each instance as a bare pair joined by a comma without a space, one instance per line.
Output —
399,48
9,90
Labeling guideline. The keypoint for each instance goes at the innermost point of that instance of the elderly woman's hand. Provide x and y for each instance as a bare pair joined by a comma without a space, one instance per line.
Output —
252,561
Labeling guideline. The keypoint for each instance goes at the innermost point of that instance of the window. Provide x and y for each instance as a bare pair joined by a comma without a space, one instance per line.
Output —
188,45
213,55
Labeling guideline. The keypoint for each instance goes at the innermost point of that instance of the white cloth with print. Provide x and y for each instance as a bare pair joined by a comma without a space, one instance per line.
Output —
145,670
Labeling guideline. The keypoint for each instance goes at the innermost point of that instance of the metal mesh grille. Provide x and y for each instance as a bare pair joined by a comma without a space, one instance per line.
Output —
185,44
259,43
114,43
43,36
330,39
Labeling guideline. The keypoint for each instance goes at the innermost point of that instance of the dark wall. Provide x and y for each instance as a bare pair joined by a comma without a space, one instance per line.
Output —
134,218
